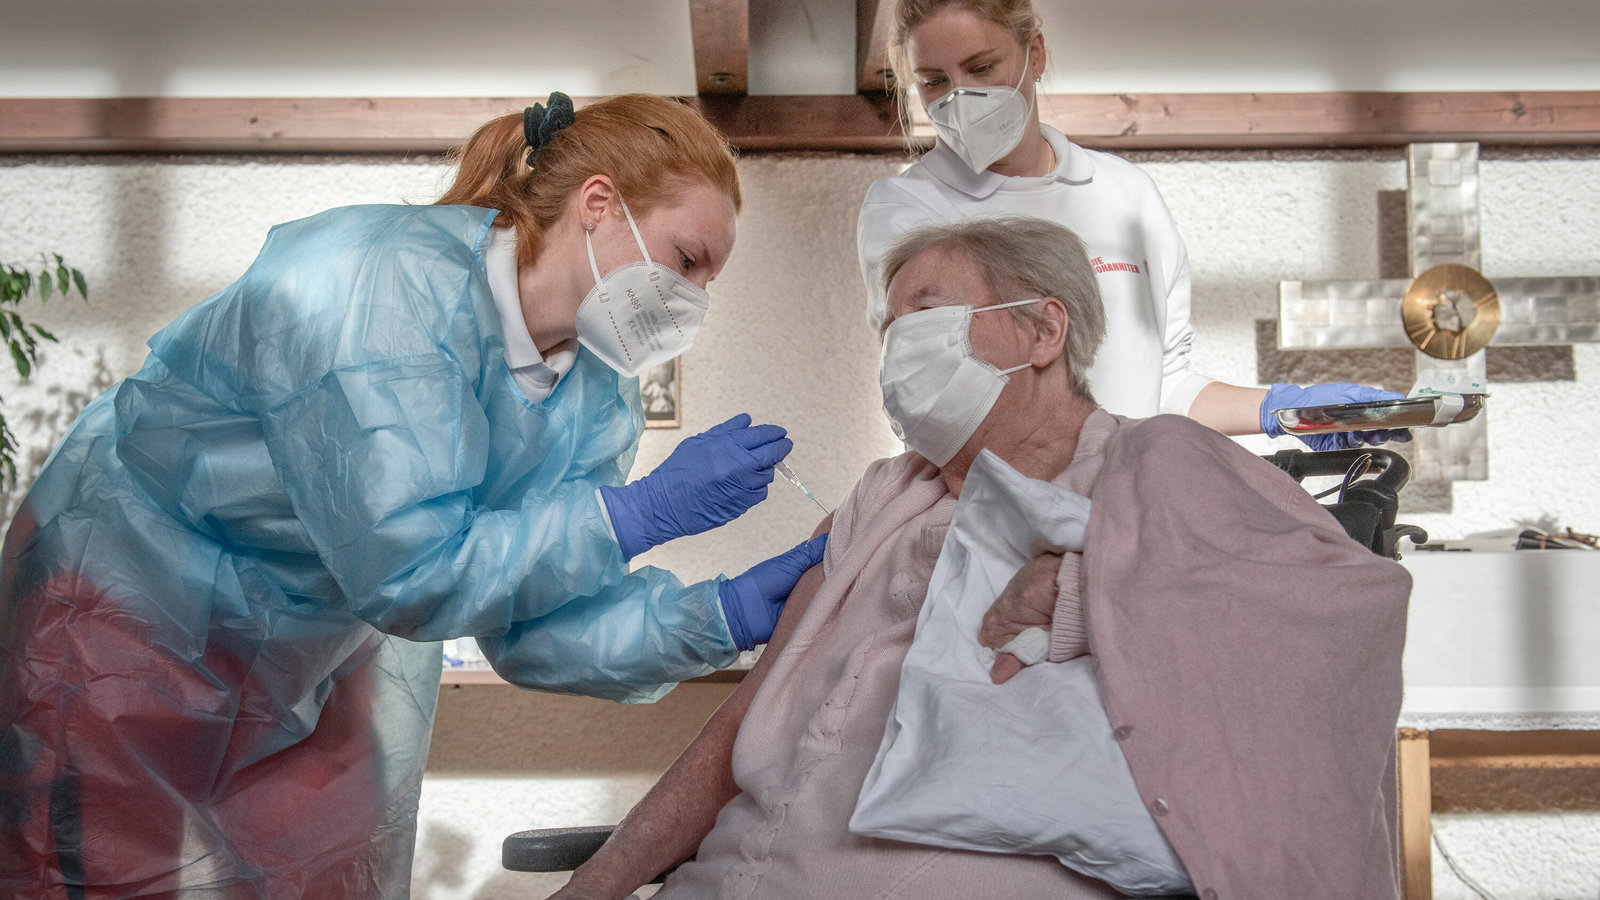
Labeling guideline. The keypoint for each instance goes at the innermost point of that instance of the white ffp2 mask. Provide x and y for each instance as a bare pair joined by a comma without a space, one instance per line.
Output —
982,124
641,314
936,391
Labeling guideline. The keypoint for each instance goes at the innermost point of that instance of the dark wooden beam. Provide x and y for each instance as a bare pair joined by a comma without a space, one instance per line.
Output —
844,123
857,122
721,30
1521,771
1346,119
398,125
228,125
873,21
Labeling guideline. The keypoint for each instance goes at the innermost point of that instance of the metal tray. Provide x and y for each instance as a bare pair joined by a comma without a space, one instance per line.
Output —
1410,412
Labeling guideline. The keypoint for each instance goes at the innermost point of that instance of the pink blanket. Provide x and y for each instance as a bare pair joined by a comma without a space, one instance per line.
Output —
1250,664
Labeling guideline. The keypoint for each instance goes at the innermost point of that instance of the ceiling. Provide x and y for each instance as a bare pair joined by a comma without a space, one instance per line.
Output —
423,48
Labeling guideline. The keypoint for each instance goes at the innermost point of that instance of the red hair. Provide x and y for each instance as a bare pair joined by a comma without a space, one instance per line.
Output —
650,147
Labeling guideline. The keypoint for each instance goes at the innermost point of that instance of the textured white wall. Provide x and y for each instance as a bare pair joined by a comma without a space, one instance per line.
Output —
1249,222
787,340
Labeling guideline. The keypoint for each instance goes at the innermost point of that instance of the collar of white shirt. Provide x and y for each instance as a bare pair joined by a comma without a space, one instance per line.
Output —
1073,166
536,375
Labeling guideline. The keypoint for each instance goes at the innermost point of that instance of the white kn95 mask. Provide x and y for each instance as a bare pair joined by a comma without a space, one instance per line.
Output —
982,124
640,314
936,391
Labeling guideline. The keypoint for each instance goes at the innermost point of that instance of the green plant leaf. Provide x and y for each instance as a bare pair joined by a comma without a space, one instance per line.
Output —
83,286
8,452
5,327
46,287
20,360
41,332
62,277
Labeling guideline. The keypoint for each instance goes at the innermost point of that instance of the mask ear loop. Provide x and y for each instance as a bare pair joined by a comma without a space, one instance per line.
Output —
1003,306
655,274
1027,57
588,243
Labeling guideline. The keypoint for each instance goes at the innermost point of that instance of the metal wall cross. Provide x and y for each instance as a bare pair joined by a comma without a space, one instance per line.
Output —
1442,226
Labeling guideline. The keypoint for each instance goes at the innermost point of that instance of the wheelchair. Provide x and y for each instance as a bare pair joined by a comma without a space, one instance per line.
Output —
1366,503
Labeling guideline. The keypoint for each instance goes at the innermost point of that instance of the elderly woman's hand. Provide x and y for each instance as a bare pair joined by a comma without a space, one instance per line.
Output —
1029,601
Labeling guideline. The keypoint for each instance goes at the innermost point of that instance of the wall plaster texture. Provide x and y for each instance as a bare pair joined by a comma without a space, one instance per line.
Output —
787,341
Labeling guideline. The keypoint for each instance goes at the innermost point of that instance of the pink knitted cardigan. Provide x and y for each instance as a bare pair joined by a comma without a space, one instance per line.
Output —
1250,661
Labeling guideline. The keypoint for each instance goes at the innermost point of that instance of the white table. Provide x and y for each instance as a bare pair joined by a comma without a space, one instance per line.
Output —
1502,668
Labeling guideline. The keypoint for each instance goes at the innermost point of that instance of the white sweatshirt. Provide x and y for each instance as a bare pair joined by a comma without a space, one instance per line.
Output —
1142,367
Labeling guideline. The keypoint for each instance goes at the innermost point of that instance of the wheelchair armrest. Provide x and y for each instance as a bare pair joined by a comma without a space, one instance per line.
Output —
1393,472
552,849
1367,506
557,849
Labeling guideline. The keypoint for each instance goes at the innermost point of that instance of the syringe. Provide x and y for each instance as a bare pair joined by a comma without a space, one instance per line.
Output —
788,473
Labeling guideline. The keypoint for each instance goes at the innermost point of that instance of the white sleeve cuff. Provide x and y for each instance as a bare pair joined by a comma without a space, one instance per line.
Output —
605,514
1178,391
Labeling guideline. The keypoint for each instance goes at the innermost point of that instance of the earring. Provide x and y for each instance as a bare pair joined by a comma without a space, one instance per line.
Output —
588,225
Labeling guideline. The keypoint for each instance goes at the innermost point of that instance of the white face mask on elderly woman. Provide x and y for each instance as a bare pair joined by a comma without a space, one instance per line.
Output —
936,391
641,314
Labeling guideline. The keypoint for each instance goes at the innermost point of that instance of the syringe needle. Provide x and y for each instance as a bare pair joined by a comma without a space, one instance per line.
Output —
783,469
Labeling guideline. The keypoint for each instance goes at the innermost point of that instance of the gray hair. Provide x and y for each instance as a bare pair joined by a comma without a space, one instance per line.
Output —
1021,258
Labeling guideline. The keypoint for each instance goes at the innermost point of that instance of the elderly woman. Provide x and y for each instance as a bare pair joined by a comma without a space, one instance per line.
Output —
1248,651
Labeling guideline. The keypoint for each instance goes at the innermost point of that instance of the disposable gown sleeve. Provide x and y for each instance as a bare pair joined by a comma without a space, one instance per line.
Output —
379,461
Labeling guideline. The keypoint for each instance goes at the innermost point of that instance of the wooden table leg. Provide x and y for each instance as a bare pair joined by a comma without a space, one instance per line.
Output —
1416,816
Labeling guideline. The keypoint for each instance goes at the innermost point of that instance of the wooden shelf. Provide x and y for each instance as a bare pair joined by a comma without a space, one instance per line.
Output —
864,122
1425,755
458,676
470,676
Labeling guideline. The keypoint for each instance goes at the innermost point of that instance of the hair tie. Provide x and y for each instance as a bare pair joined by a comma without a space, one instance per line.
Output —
540,123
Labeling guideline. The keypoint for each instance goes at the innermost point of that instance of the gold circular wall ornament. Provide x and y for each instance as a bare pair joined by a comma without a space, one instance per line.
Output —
1450,311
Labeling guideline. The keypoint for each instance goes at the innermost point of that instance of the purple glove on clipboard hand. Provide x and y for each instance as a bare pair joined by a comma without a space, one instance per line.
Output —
1289,396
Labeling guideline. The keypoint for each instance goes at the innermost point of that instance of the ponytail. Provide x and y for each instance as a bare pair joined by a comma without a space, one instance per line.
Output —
650,147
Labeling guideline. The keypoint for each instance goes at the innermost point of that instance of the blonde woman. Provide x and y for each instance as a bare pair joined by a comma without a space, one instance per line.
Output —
975,66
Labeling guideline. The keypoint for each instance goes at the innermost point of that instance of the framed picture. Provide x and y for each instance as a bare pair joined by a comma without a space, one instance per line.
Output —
661,391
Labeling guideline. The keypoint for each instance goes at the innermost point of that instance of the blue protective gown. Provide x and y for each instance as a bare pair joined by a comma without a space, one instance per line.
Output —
218,599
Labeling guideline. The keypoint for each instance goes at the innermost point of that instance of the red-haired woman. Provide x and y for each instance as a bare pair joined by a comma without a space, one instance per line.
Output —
402,424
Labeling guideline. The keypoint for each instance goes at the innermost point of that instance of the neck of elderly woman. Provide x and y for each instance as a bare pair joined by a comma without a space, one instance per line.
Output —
1033,426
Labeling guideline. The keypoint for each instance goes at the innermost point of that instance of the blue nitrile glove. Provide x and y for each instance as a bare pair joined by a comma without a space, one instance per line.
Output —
753,601
710,479
1288,396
